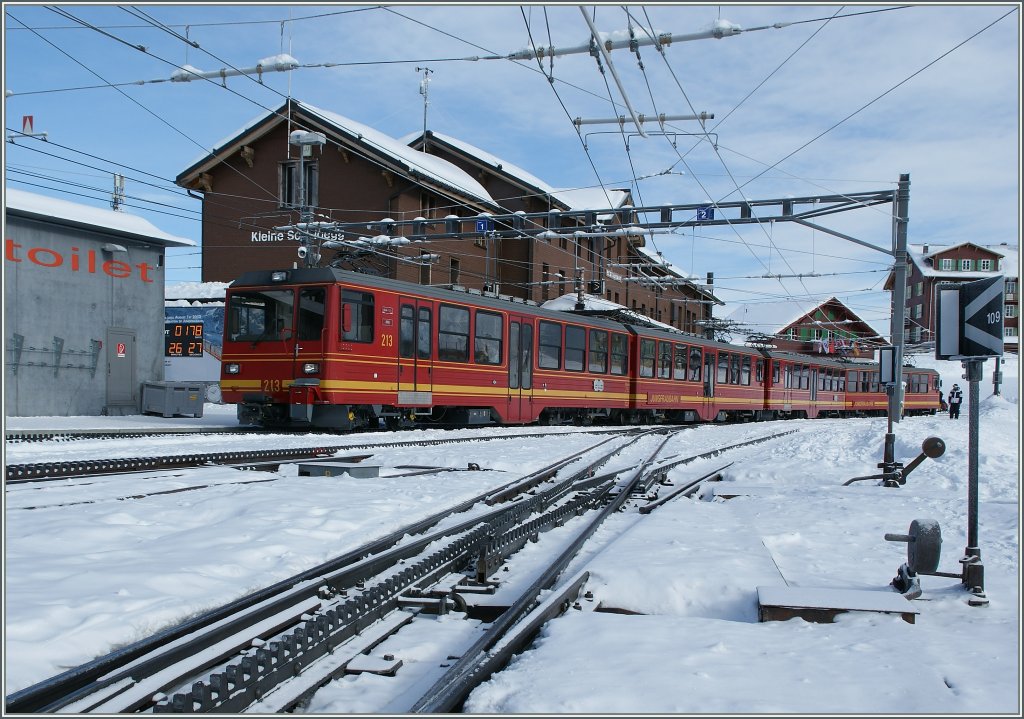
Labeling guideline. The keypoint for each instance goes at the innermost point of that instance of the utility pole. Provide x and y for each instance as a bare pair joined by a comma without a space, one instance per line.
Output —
308,251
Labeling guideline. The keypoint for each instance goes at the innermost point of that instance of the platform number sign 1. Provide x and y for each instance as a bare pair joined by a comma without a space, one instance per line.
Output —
969,319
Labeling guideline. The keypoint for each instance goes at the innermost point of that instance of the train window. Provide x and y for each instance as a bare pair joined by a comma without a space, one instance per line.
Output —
745,371
424,334
357,316
526,354
805,377
575,347
311,313
513,355
406,331
788,372
549,345
842,382
679,370
734,369
487,340
620,354
646,358
695,364
865,381
759,371
453,334
821,379
598,357
874,382
775,372
664,360
260,316
723,368
854,381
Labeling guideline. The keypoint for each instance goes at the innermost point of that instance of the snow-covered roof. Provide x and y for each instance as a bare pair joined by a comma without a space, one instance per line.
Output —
419,164
1009,263
195,290
415,162
593,303
591,198
53,209
772,317
660,260
485,158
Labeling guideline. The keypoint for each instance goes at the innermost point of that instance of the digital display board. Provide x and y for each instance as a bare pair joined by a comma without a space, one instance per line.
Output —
183,339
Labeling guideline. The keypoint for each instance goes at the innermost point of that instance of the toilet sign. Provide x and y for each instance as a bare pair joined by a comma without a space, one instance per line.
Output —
969,319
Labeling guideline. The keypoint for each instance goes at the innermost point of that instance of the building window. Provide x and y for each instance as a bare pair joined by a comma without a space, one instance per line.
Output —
918,310
946,264
1009,332
915,334
454,271
1011,289
424,267
1011,310
966,265
919,289
428,205
288,182
985,265
561,283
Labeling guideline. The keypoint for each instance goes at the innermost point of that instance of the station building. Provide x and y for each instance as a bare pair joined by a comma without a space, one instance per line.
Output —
83,307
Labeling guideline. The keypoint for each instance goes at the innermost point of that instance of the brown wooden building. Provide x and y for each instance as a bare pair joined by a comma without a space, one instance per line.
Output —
256,188
828,328
928,265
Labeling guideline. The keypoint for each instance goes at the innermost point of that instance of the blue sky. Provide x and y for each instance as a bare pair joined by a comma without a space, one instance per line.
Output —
820,105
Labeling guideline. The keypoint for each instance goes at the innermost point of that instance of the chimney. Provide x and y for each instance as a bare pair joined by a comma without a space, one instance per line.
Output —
925,251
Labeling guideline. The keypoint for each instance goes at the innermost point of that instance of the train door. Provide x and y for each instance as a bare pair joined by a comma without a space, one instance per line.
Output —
710,364
307,344
415,352
520,370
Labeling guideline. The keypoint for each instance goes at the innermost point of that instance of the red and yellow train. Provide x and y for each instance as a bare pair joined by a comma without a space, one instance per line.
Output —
328,348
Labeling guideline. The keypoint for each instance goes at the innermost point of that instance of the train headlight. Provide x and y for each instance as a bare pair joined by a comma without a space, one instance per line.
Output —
232,368
278,276
311,368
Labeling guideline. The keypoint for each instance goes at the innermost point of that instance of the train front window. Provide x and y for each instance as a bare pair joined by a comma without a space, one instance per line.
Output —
261,316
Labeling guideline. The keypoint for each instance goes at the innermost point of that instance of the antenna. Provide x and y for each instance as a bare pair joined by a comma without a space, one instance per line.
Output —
425,91
117,199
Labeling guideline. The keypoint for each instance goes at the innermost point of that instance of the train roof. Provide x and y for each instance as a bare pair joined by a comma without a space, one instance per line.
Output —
506,303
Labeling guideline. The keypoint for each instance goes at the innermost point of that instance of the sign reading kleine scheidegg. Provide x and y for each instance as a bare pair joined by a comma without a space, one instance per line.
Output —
969,319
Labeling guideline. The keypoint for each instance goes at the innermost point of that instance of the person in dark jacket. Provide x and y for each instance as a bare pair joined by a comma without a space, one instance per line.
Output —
955,398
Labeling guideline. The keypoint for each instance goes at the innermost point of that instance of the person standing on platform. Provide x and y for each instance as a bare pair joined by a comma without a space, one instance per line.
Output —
955,398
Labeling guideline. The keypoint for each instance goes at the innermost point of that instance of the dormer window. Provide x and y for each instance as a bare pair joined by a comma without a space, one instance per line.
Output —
946,265
985,265
966,265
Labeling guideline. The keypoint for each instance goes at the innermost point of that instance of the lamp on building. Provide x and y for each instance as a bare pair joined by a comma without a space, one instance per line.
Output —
111,247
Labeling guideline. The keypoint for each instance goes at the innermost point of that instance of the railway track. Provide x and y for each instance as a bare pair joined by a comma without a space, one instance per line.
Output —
263,458
271,650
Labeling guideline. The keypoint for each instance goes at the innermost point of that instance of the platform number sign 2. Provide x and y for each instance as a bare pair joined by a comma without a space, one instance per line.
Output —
970,319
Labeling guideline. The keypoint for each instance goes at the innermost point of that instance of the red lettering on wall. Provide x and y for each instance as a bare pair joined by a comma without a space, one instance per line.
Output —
52,259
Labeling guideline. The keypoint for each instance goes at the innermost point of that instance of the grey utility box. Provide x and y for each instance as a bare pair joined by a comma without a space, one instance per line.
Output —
171,398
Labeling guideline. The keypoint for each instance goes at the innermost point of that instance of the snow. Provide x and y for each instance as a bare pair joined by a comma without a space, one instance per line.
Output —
96,216
86,571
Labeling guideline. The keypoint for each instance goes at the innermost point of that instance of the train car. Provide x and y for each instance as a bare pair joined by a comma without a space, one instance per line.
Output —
802,386
866,397
684,378
329,348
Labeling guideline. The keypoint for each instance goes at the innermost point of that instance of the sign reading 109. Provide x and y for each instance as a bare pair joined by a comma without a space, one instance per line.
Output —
183,339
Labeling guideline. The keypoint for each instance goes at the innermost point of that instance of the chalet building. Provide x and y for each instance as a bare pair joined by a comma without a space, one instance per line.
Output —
928,265
829,328
256,187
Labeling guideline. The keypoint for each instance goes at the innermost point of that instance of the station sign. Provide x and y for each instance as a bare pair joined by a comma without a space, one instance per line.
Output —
969,319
